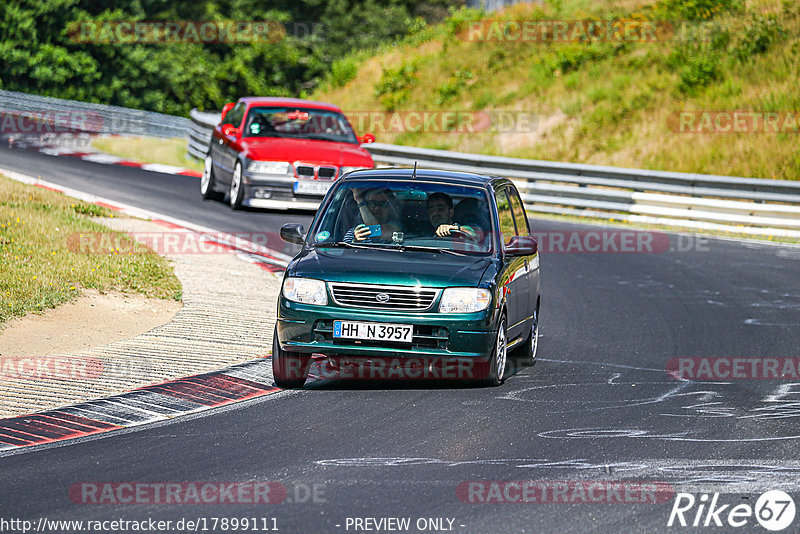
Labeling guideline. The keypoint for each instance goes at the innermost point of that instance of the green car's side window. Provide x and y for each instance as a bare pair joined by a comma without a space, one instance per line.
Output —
505,215
519,213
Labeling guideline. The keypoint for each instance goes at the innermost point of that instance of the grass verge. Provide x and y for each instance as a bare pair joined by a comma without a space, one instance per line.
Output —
148,150
40,266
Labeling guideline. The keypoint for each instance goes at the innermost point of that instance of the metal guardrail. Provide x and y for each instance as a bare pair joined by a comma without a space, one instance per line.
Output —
743,205
99,118
202,124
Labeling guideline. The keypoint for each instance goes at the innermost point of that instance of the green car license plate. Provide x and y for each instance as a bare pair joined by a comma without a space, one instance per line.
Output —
400,333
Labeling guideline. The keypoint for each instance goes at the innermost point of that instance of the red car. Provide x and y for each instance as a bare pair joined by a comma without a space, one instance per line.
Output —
280,153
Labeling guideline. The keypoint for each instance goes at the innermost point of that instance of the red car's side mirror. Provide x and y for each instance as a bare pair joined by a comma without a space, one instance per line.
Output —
366,138
522,245
229,129
225,109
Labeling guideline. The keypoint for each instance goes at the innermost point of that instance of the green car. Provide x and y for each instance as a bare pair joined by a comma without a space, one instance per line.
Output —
418,273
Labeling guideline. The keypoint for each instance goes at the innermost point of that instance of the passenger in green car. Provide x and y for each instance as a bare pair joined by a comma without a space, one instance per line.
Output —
378,207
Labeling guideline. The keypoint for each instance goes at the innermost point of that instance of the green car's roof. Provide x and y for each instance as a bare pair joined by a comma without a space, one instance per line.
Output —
428,175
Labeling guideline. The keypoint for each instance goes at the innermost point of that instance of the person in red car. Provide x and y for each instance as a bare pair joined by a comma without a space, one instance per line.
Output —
280,153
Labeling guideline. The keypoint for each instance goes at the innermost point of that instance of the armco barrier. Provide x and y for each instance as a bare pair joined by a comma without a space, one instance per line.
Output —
701,201
102,119
202,124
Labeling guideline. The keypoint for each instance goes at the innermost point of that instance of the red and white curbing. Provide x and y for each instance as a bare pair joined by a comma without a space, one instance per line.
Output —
149,404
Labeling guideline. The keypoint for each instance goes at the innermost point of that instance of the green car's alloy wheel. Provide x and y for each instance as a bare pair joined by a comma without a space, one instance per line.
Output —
290,369
497,365
207,181
237,191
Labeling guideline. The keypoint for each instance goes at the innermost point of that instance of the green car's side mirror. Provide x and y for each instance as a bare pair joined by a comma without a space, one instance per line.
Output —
292,233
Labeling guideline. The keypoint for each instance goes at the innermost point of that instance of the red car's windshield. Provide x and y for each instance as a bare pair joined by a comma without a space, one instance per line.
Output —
302,123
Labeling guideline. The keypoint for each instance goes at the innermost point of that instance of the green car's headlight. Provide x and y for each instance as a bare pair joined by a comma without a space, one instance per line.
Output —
464,300
305,291
270,167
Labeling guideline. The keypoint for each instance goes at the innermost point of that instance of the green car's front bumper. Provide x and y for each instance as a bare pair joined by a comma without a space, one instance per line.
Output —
308,329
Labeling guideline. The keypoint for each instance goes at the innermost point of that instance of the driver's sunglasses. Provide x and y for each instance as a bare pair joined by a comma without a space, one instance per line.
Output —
377,203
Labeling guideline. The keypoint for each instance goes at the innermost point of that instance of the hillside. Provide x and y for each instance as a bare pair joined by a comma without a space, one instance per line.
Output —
601,101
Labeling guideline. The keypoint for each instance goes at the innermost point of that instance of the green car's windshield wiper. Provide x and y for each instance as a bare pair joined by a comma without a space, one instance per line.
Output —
395,247
426,249
345,244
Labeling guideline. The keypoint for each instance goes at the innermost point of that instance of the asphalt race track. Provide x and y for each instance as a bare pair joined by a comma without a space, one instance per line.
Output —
599,404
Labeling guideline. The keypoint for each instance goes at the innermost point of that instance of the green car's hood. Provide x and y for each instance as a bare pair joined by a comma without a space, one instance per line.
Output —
390,267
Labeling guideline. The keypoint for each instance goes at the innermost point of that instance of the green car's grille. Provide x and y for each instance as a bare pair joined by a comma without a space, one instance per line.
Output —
377,297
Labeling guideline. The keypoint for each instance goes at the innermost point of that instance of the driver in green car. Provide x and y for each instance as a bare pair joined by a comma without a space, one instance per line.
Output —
440,213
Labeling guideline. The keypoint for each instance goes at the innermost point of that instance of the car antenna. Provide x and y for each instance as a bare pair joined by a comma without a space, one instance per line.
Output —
414,174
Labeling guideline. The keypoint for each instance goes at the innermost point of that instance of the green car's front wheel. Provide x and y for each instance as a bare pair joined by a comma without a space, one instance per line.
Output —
497,362
290,369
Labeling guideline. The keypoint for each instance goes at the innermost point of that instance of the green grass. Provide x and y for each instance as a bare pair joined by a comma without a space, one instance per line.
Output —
42,265
602,103
148,150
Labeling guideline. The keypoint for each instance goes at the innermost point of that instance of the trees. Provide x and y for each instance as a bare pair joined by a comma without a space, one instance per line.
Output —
43,51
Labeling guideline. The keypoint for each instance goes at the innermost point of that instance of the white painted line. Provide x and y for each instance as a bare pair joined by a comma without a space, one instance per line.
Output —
101,158
58,151
165,169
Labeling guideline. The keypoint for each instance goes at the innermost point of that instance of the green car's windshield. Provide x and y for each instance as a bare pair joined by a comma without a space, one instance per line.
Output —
406,215
299,123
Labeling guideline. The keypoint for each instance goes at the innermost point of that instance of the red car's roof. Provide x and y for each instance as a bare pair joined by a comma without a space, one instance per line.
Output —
289,102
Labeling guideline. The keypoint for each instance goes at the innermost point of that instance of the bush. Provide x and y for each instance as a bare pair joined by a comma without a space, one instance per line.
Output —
696,9
395,85
700,71
453,87
343,71
762,32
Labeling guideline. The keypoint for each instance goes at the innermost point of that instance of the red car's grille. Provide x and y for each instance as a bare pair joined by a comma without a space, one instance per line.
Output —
305,171
326,173
309,171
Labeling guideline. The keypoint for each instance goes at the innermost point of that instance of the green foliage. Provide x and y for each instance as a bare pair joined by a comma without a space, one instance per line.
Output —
41,54
762,32
343,71
696,9
699,71
453,87
395,85
570,57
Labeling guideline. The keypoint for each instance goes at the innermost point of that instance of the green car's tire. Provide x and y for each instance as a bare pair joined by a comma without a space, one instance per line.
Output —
290,369
499,359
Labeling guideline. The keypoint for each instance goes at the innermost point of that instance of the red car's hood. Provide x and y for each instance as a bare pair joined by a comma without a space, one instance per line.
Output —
306,150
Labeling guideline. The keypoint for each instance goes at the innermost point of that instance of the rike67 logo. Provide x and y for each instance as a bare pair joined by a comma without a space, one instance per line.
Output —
774,510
